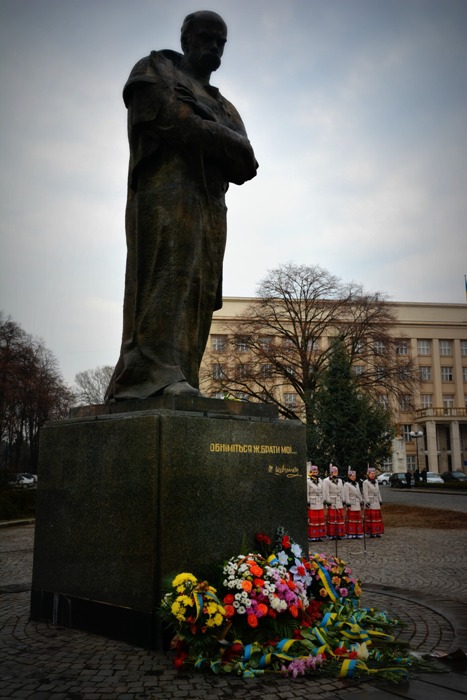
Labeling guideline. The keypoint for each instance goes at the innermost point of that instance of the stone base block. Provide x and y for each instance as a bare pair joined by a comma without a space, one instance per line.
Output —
128,499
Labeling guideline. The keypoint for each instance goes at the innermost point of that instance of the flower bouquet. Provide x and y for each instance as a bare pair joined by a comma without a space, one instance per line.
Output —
193,610
332,579
262,597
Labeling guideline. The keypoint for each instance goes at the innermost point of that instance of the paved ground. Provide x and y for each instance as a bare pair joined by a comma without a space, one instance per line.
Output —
419,575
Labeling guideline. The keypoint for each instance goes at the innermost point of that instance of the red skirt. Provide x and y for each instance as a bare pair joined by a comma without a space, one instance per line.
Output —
353,523
316,524
373,522
335,526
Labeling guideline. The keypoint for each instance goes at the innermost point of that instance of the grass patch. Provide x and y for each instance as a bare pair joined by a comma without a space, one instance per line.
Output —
396,515
17,503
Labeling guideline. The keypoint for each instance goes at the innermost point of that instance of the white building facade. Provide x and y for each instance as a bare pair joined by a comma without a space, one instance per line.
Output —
431,424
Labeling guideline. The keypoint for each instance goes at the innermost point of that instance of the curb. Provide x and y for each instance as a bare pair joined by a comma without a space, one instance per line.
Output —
17,523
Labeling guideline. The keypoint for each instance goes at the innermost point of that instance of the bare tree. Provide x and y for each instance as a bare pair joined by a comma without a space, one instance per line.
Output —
91,385
32,391
281,346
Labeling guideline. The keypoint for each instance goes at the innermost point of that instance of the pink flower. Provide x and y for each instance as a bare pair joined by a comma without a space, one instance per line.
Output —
344,592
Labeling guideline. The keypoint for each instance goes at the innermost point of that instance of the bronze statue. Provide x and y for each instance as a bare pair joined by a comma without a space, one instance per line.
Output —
187,142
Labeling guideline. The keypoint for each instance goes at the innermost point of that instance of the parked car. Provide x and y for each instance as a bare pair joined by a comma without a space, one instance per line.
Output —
434,478
398,480
454,476
24,481
383,479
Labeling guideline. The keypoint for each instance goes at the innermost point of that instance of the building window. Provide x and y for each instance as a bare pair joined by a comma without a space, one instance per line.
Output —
378,347
383,400
424,373
402,348
313,345
445,347
426,400
242,370
218,395
266,371
358,347
424,347
405,403
290,371
380,372
387,465
464,374
448,401
406,430
446,374
410,462
217,371
290,400
358,370
218,343
464,348
241,345
265,342
404,372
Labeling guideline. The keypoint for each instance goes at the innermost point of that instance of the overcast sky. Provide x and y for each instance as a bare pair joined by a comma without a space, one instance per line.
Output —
356,109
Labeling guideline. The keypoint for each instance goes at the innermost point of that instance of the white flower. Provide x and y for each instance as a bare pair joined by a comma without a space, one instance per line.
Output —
362,651
296,550
278,604
241,610
282,557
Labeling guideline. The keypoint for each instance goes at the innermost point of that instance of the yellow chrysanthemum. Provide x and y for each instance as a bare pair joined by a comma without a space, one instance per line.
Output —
211,608
218,619
182,579
185,600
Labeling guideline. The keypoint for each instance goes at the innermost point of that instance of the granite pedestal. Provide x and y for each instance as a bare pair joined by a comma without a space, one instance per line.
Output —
132,493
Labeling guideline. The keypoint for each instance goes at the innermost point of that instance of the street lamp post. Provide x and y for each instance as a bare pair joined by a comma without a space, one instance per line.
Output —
416,435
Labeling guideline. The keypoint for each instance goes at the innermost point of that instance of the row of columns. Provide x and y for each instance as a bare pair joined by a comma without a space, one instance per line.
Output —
432,451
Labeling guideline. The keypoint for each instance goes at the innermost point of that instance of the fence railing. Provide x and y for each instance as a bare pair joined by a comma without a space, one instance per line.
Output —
442,412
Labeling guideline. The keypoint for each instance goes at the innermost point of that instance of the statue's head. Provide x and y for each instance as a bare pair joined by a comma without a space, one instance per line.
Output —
203,38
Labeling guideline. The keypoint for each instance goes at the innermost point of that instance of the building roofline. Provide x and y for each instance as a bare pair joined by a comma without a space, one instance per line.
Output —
435,304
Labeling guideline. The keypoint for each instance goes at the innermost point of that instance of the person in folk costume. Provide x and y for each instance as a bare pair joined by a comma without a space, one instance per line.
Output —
372,499
333,496
316,521
353,499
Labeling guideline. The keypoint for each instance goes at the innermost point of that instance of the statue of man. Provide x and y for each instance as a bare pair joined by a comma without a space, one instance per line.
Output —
187,142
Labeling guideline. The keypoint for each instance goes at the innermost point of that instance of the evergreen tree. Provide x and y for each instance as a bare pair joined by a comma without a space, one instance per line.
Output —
350,429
